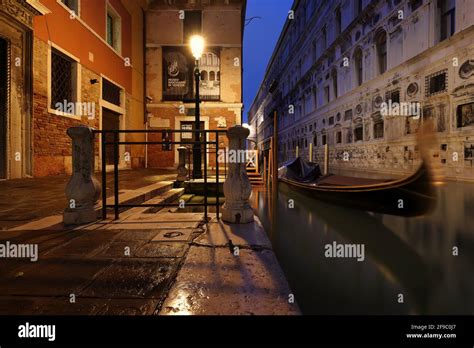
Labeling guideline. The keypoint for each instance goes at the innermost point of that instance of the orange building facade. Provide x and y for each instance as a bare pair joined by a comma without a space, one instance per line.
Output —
81,63
107,64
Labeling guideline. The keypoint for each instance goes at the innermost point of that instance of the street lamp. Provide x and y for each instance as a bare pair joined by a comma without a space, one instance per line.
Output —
197,47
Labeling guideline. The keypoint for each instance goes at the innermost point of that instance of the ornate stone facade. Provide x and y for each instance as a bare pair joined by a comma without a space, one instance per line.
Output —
338,65
16,19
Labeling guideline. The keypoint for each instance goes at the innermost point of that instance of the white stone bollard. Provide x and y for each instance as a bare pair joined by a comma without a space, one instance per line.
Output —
182,170
237,187
82,190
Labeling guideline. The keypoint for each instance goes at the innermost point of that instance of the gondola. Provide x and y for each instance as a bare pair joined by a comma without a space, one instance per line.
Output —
413,195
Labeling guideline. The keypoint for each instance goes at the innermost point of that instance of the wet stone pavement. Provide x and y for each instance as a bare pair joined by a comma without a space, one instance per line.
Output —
149,262
25,200
90,272
163,263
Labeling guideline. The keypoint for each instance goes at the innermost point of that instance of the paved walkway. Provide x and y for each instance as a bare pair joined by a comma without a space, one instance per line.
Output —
145,264
26,200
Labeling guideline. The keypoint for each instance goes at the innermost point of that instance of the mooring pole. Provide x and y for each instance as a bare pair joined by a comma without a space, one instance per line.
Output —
275,154
326,159
264,169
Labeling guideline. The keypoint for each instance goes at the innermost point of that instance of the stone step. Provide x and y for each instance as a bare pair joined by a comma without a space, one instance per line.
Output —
168,197
140,195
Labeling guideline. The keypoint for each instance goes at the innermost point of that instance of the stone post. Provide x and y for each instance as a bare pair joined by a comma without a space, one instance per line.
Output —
237,187
82,190
182,170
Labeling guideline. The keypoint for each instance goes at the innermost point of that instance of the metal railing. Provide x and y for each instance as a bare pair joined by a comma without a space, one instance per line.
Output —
189,151
117,142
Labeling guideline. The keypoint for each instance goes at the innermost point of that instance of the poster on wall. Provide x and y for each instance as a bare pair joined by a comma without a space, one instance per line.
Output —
178,73
189,135
210,86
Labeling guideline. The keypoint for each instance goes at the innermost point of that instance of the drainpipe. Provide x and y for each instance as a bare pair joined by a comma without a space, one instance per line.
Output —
145,111
146,146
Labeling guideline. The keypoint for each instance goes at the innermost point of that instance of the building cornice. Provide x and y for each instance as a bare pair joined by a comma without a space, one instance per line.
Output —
38,6
21,10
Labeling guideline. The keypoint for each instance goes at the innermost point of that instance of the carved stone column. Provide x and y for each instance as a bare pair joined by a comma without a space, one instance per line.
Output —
182,170
237,187
82,190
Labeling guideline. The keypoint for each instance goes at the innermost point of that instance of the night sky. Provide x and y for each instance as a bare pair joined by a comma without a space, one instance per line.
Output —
260,39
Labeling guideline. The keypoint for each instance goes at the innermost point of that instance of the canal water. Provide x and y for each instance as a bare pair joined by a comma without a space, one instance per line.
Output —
409,266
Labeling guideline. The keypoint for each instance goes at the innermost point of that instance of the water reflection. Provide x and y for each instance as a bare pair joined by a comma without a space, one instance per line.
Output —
408,256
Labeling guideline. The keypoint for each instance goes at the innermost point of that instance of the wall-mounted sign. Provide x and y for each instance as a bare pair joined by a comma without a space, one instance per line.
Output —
178,74
187,127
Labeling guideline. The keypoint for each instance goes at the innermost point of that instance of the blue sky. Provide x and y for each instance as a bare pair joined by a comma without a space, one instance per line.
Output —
260,38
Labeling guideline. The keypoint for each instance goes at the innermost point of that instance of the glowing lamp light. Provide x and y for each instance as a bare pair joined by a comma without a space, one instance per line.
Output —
197,46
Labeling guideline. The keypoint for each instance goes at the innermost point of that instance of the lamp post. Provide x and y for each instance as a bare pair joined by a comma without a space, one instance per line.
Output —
197,48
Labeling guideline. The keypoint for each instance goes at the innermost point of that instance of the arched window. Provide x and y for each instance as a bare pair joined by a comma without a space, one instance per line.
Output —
358,66
324,38
212,76
218,76
381,47
334,82
338,21
204,75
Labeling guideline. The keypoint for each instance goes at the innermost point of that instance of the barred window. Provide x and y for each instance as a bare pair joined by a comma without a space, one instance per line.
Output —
394,96
111,92
63,78
436,83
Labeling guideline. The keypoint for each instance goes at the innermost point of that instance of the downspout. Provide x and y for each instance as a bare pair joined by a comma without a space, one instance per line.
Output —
145,111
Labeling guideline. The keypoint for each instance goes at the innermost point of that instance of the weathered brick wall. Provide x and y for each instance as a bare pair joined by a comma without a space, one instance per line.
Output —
51,144
166,159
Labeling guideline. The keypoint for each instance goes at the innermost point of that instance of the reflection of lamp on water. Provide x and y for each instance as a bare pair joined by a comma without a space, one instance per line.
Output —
197,48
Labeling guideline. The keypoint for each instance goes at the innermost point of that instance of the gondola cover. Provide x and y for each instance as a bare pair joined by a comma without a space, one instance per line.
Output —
301,170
